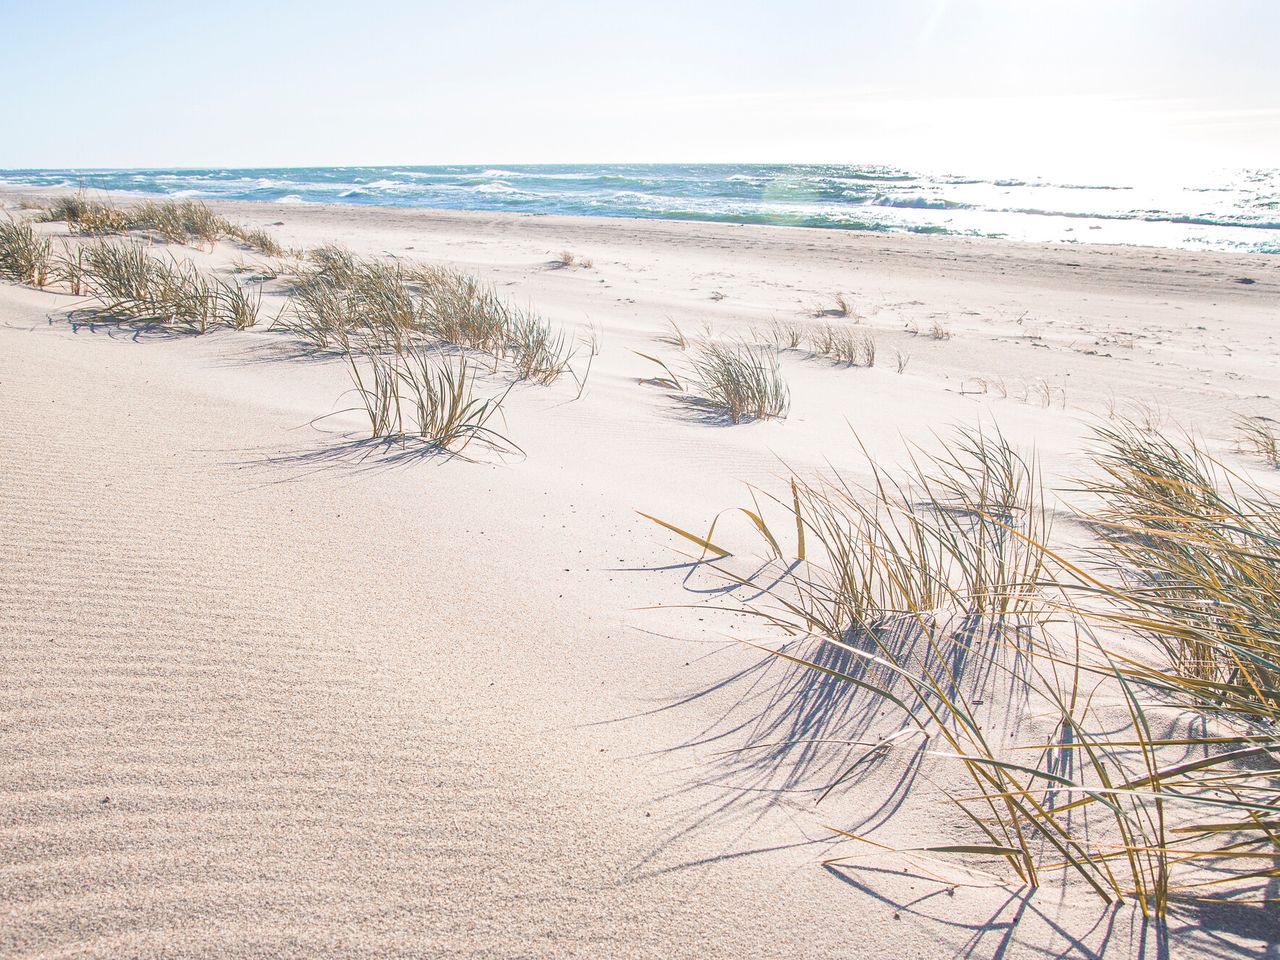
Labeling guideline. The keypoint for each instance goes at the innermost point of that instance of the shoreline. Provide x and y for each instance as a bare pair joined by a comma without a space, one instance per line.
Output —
18,193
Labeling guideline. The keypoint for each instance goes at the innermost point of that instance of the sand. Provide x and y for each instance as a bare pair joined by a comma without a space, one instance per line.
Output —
264,694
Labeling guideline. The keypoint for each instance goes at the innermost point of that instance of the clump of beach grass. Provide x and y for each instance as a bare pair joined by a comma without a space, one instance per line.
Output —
1193,556
844,344
537,352
237,306
322,313
258,239
343,295
24,256
677,337
1258,435
567,258
460,309
87,216
175,221
741,381
837,307
1040,390
134,287
179,221
383,300
416,393
1156,779
391,303
1195,550
69,267
336,262
781,334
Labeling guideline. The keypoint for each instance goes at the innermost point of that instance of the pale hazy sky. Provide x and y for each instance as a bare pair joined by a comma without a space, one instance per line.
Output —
1072,85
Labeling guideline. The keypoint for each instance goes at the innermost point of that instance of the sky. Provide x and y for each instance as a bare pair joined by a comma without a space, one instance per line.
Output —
1070,85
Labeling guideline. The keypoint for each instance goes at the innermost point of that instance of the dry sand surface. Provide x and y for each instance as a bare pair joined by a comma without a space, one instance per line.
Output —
266,693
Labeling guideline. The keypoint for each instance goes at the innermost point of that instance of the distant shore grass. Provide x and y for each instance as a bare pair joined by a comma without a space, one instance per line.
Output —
410,334
176,221
389,319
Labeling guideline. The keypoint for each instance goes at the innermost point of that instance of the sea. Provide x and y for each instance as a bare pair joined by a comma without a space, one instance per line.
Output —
1223,210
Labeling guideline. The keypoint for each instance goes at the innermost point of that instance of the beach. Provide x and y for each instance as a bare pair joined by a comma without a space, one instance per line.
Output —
272,692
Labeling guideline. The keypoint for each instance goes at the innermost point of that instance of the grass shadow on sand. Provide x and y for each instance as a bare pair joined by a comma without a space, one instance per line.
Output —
102,322
793,730
346,456
1120,930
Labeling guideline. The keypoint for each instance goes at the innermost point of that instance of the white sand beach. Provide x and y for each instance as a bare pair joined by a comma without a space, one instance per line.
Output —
270,691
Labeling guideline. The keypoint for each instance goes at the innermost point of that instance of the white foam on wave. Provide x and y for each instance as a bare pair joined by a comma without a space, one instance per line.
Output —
917,203
497,187
291,198
564,176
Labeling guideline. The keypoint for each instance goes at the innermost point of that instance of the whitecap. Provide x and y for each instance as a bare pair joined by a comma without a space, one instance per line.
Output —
494,188
917,203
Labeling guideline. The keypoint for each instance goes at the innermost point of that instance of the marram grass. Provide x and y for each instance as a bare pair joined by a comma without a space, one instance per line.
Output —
844,344
391,304
24,256
739,381
418,393
176,221
131,286
1154,661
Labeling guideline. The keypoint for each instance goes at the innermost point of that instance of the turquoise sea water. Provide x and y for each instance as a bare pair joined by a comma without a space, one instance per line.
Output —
1235,210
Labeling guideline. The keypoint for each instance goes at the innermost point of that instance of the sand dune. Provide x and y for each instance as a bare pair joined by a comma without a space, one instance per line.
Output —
266,693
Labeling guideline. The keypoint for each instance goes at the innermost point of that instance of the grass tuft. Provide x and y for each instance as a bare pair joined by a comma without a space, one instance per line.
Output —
134,287
24,257
1258,435
844,344
391,304
176,221
417,393
1152,771
740,381
782,335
